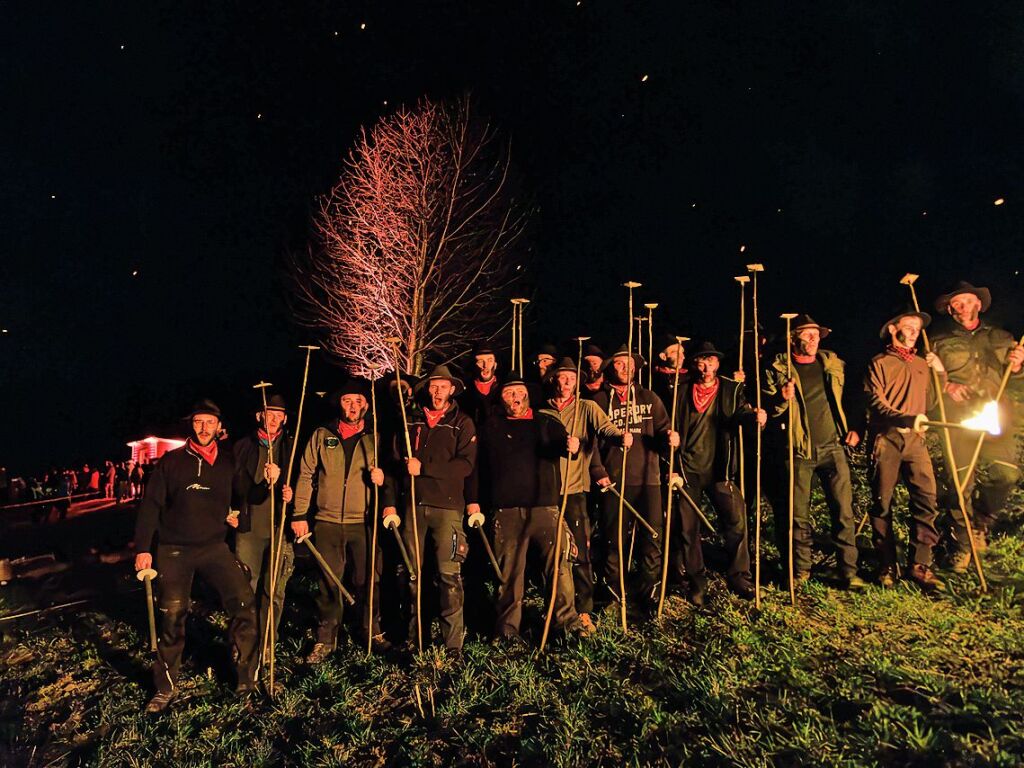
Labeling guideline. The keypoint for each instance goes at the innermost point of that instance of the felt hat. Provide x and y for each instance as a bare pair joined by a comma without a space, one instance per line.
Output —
962,286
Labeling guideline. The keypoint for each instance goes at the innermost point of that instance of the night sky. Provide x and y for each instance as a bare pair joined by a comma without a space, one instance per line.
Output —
160,160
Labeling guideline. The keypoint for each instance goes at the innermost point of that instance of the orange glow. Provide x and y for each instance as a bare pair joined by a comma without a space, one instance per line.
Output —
987,420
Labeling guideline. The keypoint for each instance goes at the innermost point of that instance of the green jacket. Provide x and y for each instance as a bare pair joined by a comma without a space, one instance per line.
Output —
342,494
976,358
771,387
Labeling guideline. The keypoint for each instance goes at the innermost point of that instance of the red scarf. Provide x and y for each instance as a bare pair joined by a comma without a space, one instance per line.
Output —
566,404
622,391
668,371
209,452
906,355
526,416
484,387
261,434
702,396
434,417
347,430
803,359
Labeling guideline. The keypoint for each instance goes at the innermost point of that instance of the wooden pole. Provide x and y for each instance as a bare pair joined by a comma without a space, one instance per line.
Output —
262,387
754,269
790,413
372,575
742,280
650,343
668,492
625,452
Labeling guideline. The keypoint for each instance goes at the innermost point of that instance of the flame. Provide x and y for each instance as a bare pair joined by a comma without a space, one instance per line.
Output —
985,421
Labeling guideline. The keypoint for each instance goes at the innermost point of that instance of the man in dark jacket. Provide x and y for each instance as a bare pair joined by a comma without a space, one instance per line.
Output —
710,411
975,354
443,442
899,389
820,431
482,393
186,510
338,473
256,472
648,422
519,458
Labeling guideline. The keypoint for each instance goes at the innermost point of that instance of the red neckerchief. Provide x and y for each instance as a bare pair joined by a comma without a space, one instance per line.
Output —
434,417
347,430
566,404
595,386
209,453
668,371
702,396
484,387
264,438
525,417
622,391
803,359
906,355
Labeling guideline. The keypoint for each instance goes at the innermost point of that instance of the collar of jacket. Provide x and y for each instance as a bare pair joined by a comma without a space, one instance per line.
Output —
418,417
331,426
830,362
958,330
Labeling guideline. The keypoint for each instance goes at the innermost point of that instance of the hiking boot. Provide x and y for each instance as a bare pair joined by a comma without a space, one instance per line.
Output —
698,589
586,626
925,578
960,560
159,702
742,586
854,583
320,653
981,540
887,577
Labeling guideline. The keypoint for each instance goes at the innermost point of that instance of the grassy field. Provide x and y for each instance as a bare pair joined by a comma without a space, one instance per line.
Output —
876,678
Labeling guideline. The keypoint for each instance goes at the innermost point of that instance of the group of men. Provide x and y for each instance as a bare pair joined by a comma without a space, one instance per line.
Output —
506,452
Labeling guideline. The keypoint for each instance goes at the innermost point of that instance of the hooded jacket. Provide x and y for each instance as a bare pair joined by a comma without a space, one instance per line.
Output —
340,472
187,500
834,374
250,487
649,424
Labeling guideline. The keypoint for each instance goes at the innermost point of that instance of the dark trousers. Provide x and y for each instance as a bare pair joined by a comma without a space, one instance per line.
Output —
647,501
577,518
990,484
832,469
444,527
728,502
894,456
177,566
341,544
253,551
515,528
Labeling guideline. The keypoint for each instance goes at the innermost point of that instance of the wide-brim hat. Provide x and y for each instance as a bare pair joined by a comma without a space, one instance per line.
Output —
663,342
565,364
514,380
203,406
352,386
806,321
274,403
706,349
391,379
908,312
622,351
439,372
484,348
592,350
548,349
983,294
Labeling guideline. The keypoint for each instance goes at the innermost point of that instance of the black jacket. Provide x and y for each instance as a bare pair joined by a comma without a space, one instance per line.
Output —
731,410
447,453
250,492
187,500
519,460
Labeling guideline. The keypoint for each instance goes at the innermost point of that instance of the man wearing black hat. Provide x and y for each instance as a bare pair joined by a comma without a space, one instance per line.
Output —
444,447
820,430
339,463
670,356
482,393
652,435
185,510
975,354
545,357
710,411
256,472
519,460
898,387
592,371
579,470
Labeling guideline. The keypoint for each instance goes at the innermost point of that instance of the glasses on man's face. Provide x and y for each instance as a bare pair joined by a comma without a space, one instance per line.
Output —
204,423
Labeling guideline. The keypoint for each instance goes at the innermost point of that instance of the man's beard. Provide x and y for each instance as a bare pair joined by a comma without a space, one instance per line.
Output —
968,317
591,376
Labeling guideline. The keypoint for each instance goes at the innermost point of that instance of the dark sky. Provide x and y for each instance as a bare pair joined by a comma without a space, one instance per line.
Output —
842,143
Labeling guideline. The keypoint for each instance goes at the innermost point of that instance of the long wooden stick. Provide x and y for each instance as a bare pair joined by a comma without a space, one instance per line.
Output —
394,340
650,343
668,492
565,498
742,280
372,575
625,451
908,280
756,340
262,387
790,413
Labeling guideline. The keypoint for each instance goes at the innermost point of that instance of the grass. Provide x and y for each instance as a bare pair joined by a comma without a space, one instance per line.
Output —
884,677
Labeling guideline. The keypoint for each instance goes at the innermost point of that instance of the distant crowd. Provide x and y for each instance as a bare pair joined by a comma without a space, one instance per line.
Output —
121,481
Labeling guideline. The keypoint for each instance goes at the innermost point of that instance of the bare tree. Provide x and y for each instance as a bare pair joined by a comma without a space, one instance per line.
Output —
417,240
